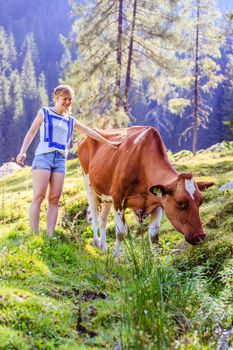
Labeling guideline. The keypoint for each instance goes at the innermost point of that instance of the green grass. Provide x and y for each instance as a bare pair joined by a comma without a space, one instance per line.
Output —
62,293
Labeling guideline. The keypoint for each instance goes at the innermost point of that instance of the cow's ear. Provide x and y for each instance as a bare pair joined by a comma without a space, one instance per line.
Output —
203,185
160,190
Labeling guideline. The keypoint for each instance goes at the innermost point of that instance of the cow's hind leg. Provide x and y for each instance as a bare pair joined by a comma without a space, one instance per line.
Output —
92,210
121,231
103,224
154,223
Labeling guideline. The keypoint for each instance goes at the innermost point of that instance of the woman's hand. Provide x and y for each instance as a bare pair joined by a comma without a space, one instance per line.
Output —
21,158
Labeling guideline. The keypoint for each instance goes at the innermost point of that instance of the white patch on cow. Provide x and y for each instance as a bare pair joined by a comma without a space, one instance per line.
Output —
103,225
121,231
140,136
93,211
120,213
154,224
190,187
105,198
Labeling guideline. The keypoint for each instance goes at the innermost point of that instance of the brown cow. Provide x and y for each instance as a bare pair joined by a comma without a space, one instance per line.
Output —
139,176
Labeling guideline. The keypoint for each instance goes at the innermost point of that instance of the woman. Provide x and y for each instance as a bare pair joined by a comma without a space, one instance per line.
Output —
49,165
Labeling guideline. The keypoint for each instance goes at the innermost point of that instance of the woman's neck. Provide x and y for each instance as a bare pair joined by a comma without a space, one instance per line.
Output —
59,110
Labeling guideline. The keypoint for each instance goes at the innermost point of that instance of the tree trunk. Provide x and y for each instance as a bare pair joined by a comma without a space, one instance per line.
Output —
118,57
129,63
196,85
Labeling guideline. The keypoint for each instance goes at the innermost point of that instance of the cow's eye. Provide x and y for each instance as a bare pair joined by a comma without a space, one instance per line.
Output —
182,204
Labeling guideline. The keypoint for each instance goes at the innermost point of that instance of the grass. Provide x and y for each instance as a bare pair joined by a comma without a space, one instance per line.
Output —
62,293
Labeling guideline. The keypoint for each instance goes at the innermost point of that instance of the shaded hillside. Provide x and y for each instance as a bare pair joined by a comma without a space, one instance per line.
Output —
61,293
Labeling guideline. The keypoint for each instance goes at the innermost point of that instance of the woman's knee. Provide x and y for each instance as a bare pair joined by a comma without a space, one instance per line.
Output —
54,200
38,198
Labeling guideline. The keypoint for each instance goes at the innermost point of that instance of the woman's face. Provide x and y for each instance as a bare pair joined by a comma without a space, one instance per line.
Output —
63,102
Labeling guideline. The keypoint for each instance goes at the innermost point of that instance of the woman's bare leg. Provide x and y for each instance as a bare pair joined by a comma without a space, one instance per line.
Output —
40,181
55,191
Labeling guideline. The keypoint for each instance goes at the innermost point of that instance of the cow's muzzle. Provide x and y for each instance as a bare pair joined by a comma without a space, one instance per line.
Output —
196,239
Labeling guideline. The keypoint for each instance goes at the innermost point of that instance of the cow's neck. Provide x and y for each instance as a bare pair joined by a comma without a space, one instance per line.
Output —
162,173
156,167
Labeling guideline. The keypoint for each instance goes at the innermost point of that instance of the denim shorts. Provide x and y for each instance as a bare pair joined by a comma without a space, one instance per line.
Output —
52,161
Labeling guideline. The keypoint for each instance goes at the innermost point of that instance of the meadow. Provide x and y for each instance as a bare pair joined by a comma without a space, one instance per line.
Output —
62,293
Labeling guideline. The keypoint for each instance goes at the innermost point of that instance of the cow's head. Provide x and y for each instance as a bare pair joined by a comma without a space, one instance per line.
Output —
181,200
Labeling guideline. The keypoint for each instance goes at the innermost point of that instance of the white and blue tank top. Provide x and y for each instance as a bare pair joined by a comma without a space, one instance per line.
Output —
55,132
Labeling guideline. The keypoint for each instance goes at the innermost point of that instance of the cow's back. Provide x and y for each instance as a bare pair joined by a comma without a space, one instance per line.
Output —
89,148
107,165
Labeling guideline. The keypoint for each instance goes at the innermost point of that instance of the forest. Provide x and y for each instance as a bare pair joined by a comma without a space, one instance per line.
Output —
167,64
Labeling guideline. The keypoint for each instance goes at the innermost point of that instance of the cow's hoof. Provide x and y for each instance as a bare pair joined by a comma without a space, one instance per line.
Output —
116,253
154,239
155,250
103,247
96,243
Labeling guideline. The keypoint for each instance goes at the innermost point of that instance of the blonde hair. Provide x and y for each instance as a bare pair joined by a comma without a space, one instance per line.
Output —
63,90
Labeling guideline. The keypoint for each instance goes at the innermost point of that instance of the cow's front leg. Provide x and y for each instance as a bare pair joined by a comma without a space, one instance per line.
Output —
121,231
103,224
92,212
154,223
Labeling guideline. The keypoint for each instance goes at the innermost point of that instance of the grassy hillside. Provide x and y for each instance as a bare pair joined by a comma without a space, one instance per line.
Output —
62,293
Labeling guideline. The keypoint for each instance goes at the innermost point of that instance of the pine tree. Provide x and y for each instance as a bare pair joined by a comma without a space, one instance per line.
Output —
29,45
227,102
206,38
129,60
151,60
94,73
119,56
11,104
29,88
42,92
65,61
5,99
121,44
227,99
5,58
12,50
33,92
14,113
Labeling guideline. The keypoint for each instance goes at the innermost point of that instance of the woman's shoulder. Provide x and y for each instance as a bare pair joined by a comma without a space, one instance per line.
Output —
72,119
43,110
42,113
47,111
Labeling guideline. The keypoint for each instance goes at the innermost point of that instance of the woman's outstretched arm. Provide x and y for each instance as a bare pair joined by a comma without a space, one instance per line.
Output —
29,138
93,134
